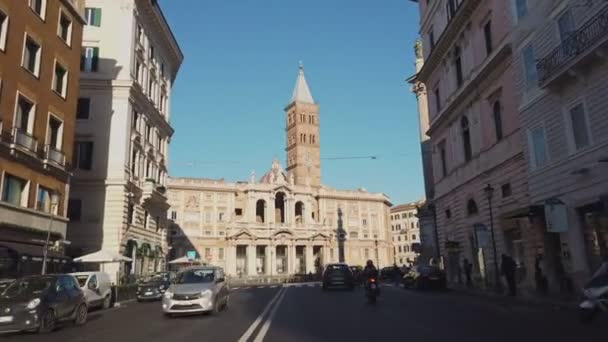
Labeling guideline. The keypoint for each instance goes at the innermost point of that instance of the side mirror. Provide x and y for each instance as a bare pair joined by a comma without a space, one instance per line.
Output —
220,280
92,286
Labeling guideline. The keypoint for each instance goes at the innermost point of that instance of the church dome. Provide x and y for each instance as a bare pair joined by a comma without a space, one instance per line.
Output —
276,174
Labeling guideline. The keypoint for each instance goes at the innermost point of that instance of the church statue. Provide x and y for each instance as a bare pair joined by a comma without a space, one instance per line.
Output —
418,48
252,177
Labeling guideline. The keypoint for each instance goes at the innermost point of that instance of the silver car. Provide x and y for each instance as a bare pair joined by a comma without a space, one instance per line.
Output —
197,290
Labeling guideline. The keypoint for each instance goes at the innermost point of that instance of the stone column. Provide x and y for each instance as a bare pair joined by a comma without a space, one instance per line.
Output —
231,260
268,262
291,258
269,211
251,260
310,263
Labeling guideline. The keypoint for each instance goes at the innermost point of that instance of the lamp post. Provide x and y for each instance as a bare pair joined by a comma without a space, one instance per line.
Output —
45,251
377,254
489,191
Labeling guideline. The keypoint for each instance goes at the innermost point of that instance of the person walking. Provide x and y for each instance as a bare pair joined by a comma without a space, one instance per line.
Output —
508,268
468,269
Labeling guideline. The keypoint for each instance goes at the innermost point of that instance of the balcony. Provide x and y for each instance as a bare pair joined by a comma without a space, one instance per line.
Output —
574,51
23,140
54,156
154,193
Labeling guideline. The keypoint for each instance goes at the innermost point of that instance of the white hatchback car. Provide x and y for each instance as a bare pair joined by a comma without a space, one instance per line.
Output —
97,288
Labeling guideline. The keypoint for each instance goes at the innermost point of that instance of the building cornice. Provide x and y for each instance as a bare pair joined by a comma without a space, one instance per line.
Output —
75,10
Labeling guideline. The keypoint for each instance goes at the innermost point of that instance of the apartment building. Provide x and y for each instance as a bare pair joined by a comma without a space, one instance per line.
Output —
405,231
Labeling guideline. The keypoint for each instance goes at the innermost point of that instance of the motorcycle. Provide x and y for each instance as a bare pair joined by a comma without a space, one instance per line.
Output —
596,294
371,290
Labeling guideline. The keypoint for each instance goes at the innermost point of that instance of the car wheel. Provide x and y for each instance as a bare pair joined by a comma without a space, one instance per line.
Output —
216,308
47,322
106,302
81,314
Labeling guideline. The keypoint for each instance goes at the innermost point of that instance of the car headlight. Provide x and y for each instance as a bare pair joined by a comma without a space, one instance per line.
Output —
162,287
168,295
206,294
33,303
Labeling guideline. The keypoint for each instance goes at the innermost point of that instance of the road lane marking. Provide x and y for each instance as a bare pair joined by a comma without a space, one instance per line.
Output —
268,321
312,285
258,320
235,288
273,286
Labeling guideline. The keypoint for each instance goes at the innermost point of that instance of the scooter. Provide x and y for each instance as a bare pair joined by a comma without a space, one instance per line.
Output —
596,294
371,290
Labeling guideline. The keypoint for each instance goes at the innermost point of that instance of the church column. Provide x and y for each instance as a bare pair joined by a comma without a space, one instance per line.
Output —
310,263
269,212
251,269
291,258
231,260
268,262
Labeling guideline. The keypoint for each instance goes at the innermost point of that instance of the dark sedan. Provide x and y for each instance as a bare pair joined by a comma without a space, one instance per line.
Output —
338,276
153,287
37,303
425,277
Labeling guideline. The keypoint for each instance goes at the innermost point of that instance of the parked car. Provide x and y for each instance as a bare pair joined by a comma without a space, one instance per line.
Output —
38,303
154,286
338,276
197,290
387,273
97,288
4,283
425,277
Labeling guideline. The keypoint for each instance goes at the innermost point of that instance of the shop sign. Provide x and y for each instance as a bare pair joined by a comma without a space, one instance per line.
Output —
556,216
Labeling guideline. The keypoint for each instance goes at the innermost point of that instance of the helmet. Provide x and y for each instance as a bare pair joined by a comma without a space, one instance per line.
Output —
369,263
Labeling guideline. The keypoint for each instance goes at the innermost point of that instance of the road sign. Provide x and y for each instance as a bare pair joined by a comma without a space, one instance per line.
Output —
191,255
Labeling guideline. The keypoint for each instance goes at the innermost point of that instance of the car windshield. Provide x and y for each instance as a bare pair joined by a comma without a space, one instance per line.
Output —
28,286
82,279
195,276
156,278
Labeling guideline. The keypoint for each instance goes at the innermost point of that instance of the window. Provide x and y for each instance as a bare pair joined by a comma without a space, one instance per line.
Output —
83,155
162,70
60,80
577,120
412,225
521,8
451,6
443,157
398,238
92,16
437,100
466,138
505,189
538,148
496,110
566,27
134,120
400,250
472,207
15,190
487,33
404,215
364,222
220,253
458,66
24,119
146,218
151,53
531,74
45,200
3,30
366,253
448,214
148,132
83,108
64,29
38,6
89,59
411,215
74,209
220,217
413,236
55,133
432,39
140,34
130,213
31,56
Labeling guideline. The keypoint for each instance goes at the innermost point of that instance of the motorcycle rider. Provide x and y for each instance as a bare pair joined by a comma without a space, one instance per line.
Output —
370,271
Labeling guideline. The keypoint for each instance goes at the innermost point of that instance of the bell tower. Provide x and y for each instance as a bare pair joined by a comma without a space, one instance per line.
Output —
302,128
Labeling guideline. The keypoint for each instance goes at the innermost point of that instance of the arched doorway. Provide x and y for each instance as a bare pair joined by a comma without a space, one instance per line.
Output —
299,212
279,207
260,209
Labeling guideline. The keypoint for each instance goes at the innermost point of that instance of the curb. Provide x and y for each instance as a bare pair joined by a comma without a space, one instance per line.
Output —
556,304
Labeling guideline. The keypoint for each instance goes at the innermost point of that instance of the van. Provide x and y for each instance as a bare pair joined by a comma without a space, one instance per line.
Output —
97,288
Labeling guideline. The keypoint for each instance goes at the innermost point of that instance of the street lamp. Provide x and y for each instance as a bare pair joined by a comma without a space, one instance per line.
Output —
377,254
45,251
489,191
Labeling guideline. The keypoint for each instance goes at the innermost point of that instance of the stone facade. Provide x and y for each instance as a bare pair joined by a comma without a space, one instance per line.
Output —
130,61
39,58
405,229
286,222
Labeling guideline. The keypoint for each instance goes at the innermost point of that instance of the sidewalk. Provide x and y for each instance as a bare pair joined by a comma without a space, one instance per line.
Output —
521,298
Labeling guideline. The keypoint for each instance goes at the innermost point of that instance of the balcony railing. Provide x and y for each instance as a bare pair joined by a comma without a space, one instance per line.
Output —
54,155
580,42
24,140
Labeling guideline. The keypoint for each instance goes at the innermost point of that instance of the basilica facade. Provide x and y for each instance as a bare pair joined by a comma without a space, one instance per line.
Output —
285,222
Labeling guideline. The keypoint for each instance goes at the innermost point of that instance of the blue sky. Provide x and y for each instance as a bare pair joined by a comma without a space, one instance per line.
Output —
240,68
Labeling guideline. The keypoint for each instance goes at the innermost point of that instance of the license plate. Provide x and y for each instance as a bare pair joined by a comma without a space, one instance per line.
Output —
6,319
149,293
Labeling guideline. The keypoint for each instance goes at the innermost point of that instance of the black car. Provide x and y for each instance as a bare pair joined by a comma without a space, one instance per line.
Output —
37,303
154,286
338,276
387,273
425,277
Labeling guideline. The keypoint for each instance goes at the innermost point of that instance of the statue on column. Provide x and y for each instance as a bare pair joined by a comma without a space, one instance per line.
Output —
252,177
418,48
341,237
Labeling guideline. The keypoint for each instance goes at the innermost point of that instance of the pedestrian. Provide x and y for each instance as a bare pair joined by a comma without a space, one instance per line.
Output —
468,268
508,268
539,276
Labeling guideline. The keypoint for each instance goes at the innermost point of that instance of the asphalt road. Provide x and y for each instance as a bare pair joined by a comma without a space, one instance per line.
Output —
306,313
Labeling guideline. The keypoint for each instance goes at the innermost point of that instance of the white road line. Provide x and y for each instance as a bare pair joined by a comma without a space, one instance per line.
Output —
268,322
273,286
235,288
258,320
312,285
